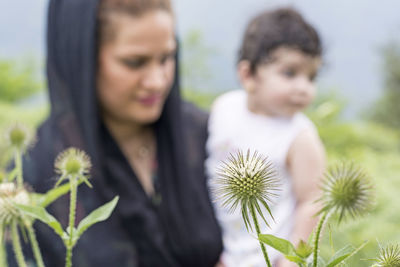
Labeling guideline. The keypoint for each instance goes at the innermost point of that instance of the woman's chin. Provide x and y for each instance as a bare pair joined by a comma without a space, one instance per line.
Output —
147,118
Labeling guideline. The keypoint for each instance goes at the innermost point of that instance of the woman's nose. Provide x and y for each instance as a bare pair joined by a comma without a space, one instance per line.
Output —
155,77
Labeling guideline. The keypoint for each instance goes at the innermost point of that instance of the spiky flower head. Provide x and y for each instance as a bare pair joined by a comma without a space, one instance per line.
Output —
20,137
389,256
246,181
347,191
72,162
10,195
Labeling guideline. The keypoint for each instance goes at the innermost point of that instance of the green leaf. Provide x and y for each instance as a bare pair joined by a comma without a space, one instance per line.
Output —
281,245
340,256
294,258
100,214
44,200
12,175
41,214
343,254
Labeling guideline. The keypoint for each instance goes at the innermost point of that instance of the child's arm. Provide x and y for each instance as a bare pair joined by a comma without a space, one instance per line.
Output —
306,163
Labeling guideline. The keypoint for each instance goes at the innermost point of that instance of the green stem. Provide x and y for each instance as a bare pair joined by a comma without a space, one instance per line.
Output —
72,209
19,256
264,250
68,260
318,237
18,166
3,255
35,246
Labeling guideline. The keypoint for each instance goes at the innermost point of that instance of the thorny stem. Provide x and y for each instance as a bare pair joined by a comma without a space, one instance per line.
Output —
264,250
18,165
19,256
318,237
3,255
35,246
72,208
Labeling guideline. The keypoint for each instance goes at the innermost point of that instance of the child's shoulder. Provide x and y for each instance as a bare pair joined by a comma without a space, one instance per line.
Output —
230,97
301,119
301,122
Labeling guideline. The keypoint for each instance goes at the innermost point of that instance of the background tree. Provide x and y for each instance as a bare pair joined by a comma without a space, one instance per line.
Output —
18,81
196,72
387,109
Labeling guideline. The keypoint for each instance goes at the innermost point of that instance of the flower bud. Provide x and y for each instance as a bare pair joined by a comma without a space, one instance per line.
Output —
20,137
73,162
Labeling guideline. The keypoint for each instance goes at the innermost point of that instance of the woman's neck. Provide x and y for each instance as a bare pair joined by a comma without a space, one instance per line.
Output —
138,144
125,132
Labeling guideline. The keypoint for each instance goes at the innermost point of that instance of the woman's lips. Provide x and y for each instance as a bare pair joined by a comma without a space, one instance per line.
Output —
150,100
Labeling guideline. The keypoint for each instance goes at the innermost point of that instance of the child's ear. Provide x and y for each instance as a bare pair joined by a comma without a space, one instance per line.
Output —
246,76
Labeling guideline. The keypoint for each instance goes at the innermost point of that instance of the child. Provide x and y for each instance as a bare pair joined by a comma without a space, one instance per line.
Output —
278,61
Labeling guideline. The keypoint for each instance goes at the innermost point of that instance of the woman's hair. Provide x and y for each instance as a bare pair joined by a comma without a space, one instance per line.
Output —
272,29
109,8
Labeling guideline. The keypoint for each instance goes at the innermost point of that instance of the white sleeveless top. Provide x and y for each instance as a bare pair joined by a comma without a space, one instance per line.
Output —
232,127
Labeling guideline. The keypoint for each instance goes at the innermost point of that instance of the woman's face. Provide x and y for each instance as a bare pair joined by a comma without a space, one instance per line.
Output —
136,67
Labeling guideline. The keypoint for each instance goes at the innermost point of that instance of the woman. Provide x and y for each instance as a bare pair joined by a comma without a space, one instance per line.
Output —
114,92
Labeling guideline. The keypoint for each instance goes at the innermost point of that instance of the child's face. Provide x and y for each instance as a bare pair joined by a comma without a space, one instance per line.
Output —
285,85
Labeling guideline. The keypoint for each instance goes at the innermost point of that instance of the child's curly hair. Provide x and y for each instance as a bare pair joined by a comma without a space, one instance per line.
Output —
272,29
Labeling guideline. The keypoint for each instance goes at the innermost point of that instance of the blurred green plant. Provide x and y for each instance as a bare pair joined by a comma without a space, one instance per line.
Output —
19,208
386,109
18,81
195,59
196,74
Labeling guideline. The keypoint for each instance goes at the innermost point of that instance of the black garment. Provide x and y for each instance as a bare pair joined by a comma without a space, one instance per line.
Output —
179,230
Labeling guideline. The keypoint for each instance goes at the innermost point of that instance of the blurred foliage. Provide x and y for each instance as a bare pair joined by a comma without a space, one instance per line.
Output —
348,139
203,100
11,113
387,109
375,147
195,59
382,224
16,81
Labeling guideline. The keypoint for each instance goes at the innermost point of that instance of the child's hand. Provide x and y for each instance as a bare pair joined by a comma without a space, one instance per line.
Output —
220,264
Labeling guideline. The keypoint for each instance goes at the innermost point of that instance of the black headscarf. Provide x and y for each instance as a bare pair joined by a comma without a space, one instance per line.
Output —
176,229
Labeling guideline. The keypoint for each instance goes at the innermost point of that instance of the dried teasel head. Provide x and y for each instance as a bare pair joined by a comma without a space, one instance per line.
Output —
389,256
20,137
347,191
248,181
10,194
73,162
